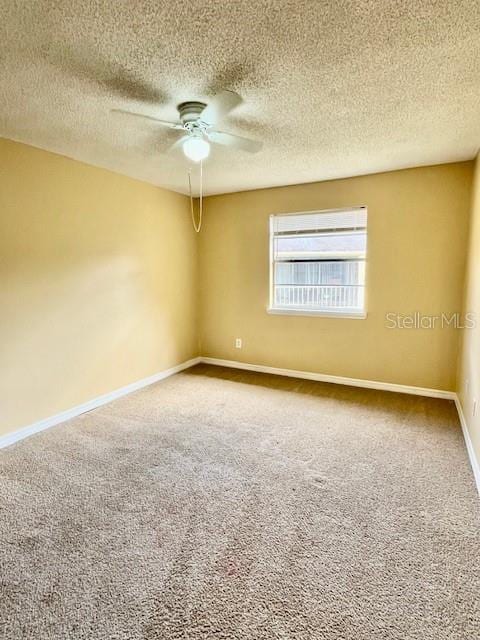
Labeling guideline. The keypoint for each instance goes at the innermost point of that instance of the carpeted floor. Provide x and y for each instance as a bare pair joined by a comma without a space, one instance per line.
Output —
222,504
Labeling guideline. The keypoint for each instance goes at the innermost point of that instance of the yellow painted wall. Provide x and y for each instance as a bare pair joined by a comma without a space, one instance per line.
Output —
97,283
469,364
417,234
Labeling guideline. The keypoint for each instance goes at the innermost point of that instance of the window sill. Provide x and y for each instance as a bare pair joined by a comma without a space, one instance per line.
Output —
288,311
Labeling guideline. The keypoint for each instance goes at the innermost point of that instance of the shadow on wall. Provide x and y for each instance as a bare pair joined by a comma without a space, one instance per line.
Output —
77,331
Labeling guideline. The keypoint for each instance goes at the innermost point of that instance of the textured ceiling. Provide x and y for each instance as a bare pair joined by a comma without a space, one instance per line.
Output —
333,88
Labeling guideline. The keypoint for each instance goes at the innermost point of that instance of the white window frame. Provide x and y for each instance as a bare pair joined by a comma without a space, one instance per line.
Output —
327,313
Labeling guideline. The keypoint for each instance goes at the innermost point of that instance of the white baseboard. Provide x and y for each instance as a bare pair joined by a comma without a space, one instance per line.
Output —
41,425
468,443
321,377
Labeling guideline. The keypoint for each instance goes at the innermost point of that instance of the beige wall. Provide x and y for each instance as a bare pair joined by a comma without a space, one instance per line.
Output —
469,363
97,283
417,234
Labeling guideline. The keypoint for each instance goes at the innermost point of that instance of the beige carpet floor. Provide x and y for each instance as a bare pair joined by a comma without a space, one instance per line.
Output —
222,504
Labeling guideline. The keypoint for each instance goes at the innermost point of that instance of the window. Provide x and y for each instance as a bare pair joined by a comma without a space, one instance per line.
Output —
318,262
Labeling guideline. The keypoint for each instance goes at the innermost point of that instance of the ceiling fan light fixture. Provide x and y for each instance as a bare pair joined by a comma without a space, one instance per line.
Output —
196,148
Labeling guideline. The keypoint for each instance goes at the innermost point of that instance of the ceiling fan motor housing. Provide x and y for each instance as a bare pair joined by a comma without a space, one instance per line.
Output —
190,111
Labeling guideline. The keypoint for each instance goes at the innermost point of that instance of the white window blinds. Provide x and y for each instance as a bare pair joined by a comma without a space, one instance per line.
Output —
318,261
318,222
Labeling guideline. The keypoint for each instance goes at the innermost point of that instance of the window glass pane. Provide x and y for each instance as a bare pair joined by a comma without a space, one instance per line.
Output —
341,273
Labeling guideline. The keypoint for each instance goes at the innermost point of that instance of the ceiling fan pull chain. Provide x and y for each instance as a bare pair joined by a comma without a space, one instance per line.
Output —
201,196
195,226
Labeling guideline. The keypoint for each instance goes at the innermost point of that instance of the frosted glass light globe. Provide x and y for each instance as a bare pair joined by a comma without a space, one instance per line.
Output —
196,149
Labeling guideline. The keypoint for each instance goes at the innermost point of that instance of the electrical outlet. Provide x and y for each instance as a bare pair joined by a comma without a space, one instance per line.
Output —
474,409
238,343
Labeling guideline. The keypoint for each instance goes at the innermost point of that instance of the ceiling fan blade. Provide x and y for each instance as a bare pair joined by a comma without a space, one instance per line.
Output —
177,144
237,142
163,123
219,106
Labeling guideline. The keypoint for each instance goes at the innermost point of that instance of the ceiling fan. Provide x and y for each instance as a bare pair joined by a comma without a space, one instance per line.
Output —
198,121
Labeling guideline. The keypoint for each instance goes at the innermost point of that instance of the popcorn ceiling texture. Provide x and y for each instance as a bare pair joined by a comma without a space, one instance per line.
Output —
232,505
334,88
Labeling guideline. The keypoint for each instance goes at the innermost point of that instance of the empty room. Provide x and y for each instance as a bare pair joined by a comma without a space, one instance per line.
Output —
240,320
